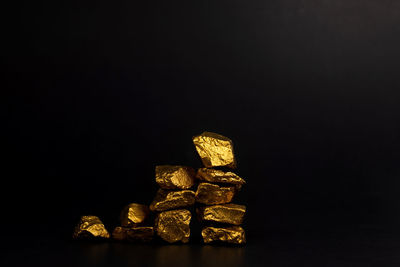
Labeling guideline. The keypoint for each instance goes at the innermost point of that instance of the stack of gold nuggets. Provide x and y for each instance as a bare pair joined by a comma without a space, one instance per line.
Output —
215,191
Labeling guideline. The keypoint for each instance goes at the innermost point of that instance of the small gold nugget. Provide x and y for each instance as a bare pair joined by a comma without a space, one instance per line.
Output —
140,233
175,177
226,213
218,176
90,227
133,214
166,200
215,150
233,234
137,233
119,233
211,194
173,225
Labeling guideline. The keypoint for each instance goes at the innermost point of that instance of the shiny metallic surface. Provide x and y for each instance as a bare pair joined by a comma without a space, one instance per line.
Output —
90,227
133,214
215,150
175,177
226,213
212,194
173,225
218,176
166,200
233,234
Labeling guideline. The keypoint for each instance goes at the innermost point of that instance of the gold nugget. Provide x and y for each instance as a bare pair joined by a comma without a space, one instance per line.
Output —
211,194
233,234
90,227
133,214
173,225
218,176
166,200
119,233
226,213
175,177
215,150
140,233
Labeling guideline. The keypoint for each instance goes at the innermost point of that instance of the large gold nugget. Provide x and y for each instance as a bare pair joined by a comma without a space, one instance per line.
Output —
233,234
133,214
173,225
167,200
90,227
211,194
226,213
218,176
215,150
140,233
175,177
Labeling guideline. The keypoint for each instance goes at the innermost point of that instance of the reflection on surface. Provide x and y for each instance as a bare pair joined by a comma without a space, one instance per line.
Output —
174,255
222,256
198,255
125,254
95,254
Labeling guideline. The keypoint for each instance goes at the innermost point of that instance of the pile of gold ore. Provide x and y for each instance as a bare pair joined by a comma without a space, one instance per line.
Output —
216,188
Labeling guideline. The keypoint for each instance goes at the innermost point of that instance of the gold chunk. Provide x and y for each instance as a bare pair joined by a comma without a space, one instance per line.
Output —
211,194
215,150
226,213
175,177
173,225
133,214
119,233
90,227
233,234
218,176
166,200
141,233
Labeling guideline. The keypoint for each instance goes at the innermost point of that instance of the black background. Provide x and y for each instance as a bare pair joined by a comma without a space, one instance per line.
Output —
97,94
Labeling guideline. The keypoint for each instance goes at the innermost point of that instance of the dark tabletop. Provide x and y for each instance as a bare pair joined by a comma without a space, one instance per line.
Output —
358,247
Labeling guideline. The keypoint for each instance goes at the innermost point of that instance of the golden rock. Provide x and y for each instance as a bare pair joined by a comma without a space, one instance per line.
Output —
173,225
233,234
212,194
120,233
133,214
136,233
166,200
90,227
175,177
215,150
218,176
226,213
140,233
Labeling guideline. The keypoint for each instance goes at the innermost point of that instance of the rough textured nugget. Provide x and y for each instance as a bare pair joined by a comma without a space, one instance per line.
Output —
90,227
119,233
226,213
167,200
140,233
215,150
175,177
218,176
212,194
133,214
173,225
233,234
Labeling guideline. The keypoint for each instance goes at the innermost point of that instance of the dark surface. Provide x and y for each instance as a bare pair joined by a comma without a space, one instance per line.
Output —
366,247
96,94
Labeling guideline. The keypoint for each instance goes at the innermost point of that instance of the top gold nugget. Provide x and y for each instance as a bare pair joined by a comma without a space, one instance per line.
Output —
215,150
